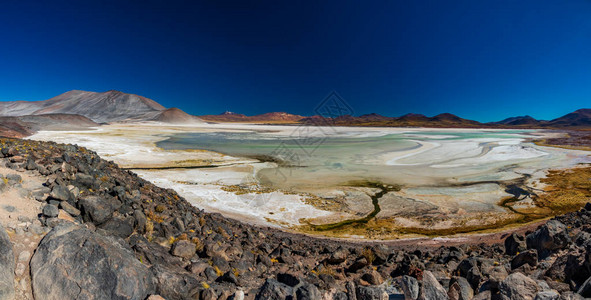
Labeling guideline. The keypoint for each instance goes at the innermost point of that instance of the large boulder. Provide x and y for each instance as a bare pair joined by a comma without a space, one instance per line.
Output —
432,289
518,287
97,209
73,262
547,238
6,266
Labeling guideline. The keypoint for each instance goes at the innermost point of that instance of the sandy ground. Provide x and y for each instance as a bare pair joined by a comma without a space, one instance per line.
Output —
18,215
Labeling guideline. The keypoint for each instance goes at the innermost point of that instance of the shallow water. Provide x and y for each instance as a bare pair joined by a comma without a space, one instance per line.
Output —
424,158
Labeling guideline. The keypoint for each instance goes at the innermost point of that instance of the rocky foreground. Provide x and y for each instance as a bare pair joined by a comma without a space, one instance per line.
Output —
108,234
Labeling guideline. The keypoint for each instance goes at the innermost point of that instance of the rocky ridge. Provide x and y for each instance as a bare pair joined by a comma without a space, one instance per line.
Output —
113,235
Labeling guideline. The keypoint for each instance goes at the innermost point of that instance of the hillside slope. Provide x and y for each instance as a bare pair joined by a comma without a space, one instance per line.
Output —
110,106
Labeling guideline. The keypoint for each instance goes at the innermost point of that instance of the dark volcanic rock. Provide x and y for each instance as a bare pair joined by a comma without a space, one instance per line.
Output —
119,227
289,279
6,267
60,192
308,292
96,209
371,293
548,237
337,257
515,243
96,267
67,207
175,285
50,211
274,290
184,249
529,257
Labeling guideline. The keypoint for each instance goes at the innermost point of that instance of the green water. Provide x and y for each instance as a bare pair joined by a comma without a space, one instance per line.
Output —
329,160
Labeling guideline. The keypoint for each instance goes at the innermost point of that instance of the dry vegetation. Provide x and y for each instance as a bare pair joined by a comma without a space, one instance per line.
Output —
566,190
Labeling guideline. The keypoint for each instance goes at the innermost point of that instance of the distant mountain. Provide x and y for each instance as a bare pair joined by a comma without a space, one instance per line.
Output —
519,121
110,106
578,119
408,120
272,117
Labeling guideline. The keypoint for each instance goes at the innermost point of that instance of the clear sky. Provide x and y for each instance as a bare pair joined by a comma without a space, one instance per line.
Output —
483,60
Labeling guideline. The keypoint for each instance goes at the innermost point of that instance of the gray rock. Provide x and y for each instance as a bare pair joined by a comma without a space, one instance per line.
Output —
518,287
6,267
36,229
529,257
570,296
495,275
140,220
96,209
97,267
351,294
547,295
67,207
24,219
119,227
62,193
464,289
410,286
308,292
432,289
371,293
9,208
550,236
50,211
13,179
373,277
184,249
41,193
173,285
338,256
274,290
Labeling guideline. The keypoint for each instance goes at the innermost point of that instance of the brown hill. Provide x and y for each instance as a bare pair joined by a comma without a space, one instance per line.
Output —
578,119
408,120
519,121
272,117
176,116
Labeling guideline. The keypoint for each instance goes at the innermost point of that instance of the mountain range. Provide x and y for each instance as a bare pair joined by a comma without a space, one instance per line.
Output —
79,109
580,119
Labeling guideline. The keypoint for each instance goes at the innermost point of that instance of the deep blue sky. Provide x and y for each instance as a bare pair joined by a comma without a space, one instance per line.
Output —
484,60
